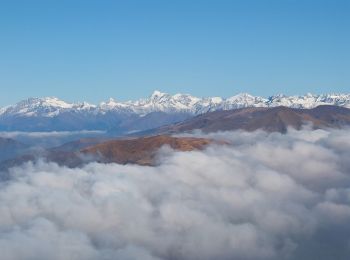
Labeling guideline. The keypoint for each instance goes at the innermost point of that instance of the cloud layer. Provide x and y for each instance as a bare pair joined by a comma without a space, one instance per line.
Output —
266,196
52,134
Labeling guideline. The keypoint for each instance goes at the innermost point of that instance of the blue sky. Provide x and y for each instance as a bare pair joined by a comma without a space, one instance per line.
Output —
93,50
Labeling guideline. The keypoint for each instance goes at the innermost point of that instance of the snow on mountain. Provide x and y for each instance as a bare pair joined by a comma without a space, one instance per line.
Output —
37,106
114,106
309,100
163,102
46,107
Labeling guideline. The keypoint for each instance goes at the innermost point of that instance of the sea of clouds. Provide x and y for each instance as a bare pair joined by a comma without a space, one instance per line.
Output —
265,196
51,134
50,139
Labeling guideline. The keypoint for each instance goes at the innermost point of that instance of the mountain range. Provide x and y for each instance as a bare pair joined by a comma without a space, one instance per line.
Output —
52,114
273,119
141,147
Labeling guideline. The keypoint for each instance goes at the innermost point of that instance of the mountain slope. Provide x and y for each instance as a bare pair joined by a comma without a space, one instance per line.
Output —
276,119
143,150
10,148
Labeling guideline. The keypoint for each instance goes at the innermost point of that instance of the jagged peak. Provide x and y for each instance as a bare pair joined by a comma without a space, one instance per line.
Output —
54,101
278,95
160,101
242,96
158,93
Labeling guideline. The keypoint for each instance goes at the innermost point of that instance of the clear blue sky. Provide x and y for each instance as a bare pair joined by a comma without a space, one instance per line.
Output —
92,50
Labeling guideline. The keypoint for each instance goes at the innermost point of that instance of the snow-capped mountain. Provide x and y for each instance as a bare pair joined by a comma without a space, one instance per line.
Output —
47,107
163,102
52,114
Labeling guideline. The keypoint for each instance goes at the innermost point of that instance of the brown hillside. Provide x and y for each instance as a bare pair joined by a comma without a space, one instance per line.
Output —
142,150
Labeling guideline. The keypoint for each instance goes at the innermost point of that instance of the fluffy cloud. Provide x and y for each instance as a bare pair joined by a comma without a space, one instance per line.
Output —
266,196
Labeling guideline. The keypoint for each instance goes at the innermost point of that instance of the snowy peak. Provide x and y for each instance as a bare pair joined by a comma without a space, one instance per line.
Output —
46,107
36,106
309,100
164,102
245,100
157,94
54,102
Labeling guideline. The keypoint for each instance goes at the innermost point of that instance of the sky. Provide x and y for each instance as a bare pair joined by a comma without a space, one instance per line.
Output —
93,50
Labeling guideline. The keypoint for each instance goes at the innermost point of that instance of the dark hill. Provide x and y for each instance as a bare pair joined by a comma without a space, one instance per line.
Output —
276,119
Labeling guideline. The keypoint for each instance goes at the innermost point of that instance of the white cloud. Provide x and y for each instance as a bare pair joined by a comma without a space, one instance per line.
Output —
264,197
52,134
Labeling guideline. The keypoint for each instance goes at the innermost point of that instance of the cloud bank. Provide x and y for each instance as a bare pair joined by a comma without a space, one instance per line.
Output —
51,134
266,196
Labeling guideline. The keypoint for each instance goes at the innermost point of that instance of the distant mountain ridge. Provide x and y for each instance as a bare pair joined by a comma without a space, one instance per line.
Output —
271,119
11,148
53,114
163,102
141,147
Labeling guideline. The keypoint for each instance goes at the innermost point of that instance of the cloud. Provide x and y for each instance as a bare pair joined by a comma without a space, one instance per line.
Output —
51,134
266,196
